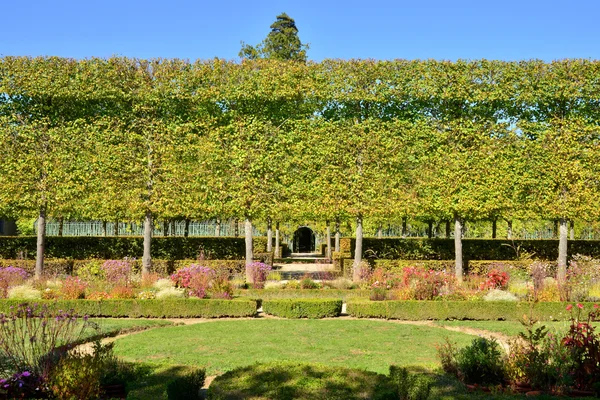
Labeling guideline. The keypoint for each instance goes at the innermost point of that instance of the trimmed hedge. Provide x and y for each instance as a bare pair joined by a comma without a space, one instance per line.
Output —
54,267
414,310
303,308
473,249
269,294
117,247
173,308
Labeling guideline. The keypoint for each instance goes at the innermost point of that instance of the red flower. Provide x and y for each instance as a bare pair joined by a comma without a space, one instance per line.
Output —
596,306
569,307
580,305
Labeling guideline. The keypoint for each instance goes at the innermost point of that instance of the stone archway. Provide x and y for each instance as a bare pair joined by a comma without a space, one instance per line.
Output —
304,240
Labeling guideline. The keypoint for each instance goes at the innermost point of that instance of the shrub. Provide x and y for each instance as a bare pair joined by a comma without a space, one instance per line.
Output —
307,283
73,288
24,292
23,385
162,284
378,293
91,271
410,386
495,280
447,353
187,387
220,287
427,284
195,278
258,272
122,292
482,362
303,308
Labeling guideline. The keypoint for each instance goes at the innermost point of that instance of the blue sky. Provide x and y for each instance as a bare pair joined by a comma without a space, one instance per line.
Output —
378,29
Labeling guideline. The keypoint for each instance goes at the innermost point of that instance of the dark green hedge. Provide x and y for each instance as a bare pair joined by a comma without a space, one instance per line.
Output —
473,249
303,308
447,310
174,308
53,267
117,247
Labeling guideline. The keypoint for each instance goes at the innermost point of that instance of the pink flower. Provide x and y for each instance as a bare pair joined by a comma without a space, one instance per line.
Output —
596,306
580,305
569,307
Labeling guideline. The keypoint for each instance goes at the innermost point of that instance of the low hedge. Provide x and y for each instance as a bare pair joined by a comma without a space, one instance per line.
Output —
272,294
173,308
117,247
414,310
303,308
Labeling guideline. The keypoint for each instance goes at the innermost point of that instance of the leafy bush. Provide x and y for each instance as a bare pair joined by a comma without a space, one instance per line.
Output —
288,380
410,386
122,292
196,278
307,283
23,385
499,295
187,387
220,287
495,280
73,288
482,362
303,308
170,292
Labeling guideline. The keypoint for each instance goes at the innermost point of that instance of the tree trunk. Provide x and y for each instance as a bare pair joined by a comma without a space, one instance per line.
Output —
236,228
104,228
117,228
380,232
249,250
494,228
186,231
328,248
562,251
165,228
447,229
337,235
147,258
61,225
358,248
509,229
458,227
277,245
218,228
41,243
269,235
572,230
404,227
429,229
172,228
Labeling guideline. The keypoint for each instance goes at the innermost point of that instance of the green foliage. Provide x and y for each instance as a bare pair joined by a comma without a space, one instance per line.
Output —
303,308
187,387
168,308
414,310
410,386
287,380
282,43
114,248
482,363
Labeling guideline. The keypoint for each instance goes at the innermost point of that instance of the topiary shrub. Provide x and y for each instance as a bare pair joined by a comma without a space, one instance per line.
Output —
303,308
188,386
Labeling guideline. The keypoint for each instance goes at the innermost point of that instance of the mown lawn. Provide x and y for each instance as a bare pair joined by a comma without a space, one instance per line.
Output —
510,328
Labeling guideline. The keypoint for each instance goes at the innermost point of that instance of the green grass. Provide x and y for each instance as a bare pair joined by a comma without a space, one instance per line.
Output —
509,328
220,346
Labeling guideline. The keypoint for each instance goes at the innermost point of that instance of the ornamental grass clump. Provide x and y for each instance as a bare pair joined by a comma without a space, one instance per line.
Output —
258,272
10,277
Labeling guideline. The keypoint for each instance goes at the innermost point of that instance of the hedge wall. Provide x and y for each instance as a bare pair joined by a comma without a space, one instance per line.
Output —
473,249
303,308
63,266
117,247
446,310
268,294
174,308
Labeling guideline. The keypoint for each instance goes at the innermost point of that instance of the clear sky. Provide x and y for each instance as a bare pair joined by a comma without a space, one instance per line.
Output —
378,29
